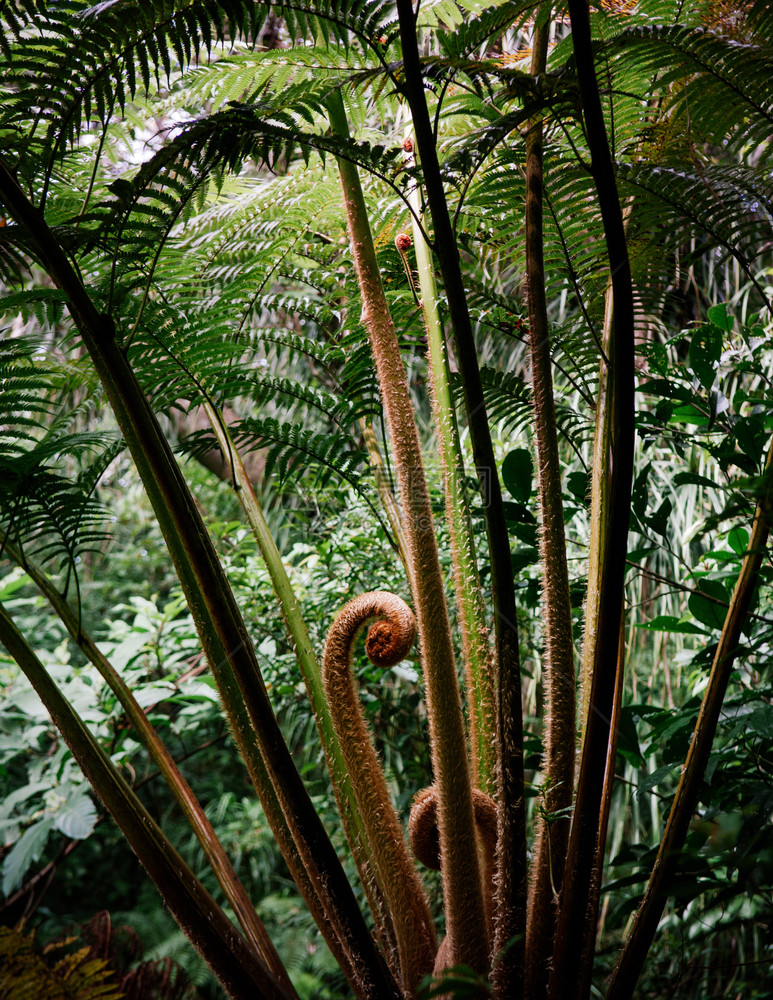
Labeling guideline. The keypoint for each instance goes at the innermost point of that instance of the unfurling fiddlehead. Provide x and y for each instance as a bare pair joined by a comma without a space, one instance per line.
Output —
388,642
425,844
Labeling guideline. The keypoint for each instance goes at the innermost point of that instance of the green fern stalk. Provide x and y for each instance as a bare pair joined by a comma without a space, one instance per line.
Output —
599,541
634,953
558,658
510,907
469,599
388,500
592,930
615,461
221,630
463,894
599,513
356,832
190,806
242,973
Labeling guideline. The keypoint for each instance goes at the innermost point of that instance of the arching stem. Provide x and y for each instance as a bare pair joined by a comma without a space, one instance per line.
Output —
463,894
511,851
389,641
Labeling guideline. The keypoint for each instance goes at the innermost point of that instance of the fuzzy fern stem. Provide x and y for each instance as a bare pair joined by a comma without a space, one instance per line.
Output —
511,876
312,676
462,890
558,660
478,666
389,641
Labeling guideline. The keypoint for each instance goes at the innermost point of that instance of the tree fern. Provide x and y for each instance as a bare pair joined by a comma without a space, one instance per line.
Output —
184,185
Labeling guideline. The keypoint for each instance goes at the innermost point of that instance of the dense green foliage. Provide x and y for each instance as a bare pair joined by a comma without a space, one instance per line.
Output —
180,155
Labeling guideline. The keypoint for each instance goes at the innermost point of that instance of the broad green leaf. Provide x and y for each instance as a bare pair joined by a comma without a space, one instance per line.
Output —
761,721
151,694
705,352
752,437
670,623
517,473
518,513
666,388
688,413
652,780
693,479
578,484
710,606
12,582
21,795
627,738
738,540
659,520
639,492
523,558
77,817
25,852
718,316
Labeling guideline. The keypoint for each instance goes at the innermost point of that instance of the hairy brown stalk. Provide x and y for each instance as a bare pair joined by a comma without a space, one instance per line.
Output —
425,844
511,874
388,642
558,663
425,840
477,655
462,889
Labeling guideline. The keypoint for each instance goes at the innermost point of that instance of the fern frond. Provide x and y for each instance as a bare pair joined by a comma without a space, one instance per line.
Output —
324,458
483,28
332,455
508,400
729,206
720,83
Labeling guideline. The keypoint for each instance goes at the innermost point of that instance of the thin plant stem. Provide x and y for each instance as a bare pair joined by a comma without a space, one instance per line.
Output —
384,488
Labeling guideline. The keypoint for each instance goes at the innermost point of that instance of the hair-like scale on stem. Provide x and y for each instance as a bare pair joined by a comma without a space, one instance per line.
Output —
388,642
